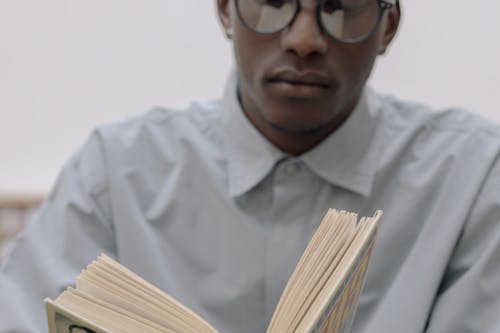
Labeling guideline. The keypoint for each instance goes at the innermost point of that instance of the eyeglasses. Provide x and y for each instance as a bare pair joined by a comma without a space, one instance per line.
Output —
348,21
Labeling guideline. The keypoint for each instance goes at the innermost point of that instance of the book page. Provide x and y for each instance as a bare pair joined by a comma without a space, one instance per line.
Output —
323,292
318,270
110,296
339,314
61,320
334,308
106,315
173,309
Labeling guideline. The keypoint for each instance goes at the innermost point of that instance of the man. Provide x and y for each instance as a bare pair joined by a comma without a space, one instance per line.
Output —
215,204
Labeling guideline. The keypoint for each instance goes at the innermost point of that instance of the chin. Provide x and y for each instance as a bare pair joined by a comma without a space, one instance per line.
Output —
297,129
299,125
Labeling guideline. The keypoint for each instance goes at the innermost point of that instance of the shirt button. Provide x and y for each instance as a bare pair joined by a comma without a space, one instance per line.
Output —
291,168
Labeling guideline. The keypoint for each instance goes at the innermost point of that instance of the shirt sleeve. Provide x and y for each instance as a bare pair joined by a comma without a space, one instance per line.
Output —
72,227
469,298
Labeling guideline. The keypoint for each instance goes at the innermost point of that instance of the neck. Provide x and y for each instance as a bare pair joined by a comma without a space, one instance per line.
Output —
292,142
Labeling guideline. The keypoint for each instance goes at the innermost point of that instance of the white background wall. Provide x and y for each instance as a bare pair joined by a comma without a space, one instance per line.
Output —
67,66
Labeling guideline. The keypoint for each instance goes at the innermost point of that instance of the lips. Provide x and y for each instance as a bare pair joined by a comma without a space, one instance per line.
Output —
300,78
298,84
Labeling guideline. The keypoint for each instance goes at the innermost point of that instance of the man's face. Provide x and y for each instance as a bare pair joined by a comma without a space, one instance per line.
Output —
301,80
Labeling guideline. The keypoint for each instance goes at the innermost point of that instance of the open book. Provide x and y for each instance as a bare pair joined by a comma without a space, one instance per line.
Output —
320,296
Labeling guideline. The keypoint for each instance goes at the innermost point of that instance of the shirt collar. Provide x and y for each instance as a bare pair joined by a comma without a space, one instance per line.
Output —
346,158
250,156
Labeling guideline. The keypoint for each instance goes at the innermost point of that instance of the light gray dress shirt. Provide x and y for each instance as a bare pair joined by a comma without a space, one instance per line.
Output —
200,204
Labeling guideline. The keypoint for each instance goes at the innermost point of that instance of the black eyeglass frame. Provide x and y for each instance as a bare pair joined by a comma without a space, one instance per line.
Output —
382,4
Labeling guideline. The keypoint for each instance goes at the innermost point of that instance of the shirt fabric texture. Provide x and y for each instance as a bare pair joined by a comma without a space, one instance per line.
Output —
199,203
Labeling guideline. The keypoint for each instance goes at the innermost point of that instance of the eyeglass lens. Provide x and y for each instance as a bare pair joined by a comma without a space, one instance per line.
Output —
347,20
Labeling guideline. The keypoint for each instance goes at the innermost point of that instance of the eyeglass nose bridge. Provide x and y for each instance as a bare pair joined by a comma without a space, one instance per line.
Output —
317,12
316,9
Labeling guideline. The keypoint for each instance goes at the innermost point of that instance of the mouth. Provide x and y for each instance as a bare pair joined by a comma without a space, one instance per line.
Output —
299,84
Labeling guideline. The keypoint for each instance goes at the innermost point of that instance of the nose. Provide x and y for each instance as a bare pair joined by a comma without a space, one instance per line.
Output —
304,36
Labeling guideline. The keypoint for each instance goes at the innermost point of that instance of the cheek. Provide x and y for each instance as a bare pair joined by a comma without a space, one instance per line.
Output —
246,66
354,63
253,56
243,56
243,48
